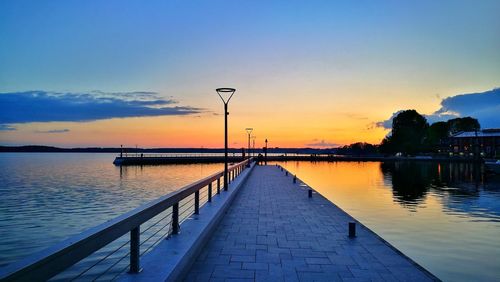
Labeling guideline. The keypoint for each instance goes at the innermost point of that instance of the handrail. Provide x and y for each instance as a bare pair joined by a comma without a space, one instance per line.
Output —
55,259
175,155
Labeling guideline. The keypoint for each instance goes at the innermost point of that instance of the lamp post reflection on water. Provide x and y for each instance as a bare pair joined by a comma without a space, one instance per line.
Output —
225,95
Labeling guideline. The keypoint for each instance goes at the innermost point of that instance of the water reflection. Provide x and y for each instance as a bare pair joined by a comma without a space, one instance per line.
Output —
410,181
462,187
445,216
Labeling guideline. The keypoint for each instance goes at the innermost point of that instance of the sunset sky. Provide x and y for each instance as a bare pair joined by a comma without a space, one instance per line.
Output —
307,73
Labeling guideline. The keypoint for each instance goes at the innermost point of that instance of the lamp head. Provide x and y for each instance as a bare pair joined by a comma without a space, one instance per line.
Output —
249,130
225,94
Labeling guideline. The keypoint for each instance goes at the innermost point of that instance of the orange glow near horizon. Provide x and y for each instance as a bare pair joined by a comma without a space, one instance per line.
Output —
287,121
201,131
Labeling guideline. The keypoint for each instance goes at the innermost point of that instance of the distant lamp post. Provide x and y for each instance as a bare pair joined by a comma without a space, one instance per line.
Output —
225,95
253,145
265,153
249,132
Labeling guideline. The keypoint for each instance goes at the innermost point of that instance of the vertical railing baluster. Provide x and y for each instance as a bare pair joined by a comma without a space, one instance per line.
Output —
197,202
175,218
210,192
135,243
218,185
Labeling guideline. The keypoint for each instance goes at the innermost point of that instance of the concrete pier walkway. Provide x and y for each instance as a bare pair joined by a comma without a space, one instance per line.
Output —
274,232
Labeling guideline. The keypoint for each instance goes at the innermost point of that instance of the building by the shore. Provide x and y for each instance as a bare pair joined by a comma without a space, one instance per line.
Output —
484,143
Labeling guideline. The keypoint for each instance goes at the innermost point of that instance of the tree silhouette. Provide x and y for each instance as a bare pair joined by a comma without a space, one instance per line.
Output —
409,130
463,124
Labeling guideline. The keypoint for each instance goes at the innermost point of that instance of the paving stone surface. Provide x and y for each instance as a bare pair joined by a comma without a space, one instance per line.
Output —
274,232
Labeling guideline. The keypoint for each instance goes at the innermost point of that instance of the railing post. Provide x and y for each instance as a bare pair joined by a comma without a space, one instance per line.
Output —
210,192
197,202
135,243
218,185
175,218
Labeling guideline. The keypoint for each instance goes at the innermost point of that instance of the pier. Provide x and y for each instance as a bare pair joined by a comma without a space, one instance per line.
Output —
266,225
274,232
158,159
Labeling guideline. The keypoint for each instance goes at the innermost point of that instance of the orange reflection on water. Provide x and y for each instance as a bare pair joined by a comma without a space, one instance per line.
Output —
442,215
347,184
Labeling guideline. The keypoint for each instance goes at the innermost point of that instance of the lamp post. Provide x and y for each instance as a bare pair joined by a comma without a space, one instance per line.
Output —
253,145
225,95
249,132
265,153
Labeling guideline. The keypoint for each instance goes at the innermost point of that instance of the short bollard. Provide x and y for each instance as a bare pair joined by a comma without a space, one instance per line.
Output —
286,173
310,193
352,229
281,168
295,179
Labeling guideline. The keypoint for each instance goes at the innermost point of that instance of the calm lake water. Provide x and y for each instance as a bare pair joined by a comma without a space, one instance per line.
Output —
444,216
47,197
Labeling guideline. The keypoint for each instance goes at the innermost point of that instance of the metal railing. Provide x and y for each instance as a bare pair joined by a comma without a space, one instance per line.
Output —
201,155
173,155
100,253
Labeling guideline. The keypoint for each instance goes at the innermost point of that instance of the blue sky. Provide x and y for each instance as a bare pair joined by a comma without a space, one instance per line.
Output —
305,62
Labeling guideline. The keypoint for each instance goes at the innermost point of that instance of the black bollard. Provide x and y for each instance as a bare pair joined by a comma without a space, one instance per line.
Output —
286,173
352,229
281,168
310,192
295,179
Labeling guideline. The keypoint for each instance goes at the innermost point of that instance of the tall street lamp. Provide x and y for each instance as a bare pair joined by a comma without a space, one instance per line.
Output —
225,95
249,131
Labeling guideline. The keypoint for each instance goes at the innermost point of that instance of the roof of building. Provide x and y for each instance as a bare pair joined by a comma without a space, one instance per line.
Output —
493,132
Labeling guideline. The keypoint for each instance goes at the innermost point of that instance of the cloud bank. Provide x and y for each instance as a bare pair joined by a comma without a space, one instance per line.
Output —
43,106
485,106
322,144
53,131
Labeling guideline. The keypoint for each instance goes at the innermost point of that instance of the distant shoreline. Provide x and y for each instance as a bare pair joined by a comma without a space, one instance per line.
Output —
51,149
288,154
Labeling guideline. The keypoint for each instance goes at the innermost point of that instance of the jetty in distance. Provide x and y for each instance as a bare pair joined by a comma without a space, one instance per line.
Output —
264,225
157,159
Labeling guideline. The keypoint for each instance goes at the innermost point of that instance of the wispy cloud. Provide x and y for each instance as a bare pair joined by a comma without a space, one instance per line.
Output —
485,106
44,106
53,131
6,127
354,116
322,144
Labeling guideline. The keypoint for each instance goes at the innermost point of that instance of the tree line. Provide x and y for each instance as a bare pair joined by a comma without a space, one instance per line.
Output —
411,134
